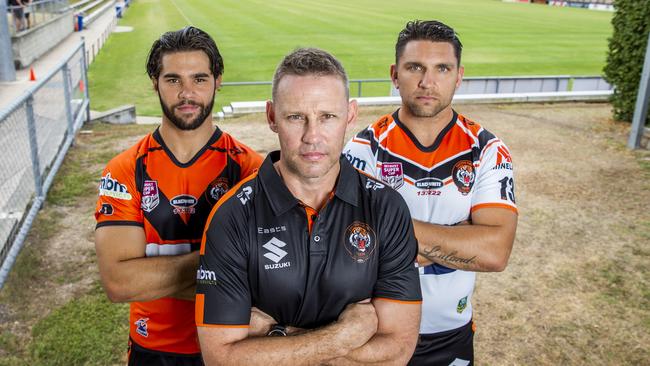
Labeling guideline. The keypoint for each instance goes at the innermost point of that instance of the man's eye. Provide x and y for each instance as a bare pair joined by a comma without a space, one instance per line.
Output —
294,117
329,116
201,80
443,68
415,68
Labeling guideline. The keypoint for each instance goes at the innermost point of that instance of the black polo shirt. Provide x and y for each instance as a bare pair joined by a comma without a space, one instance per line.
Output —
257,251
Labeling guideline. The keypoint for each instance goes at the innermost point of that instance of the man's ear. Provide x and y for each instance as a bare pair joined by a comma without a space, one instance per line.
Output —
270,116
154,83
353,111
217,82
393,75
461,72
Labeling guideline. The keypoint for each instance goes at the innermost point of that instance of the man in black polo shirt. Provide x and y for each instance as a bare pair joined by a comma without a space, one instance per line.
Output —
307,240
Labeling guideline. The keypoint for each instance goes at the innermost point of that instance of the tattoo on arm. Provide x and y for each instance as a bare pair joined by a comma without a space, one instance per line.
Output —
435,254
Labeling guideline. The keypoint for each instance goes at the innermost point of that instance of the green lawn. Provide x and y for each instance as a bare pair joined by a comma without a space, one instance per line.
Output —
499,39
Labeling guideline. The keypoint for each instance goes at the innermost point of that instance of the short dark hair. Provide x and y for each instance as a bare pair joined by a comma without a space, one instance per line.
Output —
427,30
186,39
309,61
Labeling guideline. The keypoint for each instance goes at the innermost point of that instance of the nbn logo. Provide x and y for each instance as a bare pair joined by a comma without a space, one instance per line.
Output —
356,162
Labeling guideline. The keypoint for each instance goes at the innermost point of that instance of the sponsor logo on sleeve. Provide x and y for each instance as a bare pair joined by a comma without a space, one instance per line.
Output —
360,241
150,197
107,209
355,161
504,160
205,277
463,175
112,188
275,254
374,185
392,174
216,189
141,327
245,195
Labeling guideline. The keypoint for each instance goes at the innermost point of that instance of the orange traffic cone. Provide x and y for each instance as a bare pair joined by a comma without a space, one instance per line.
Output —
81,85
32,77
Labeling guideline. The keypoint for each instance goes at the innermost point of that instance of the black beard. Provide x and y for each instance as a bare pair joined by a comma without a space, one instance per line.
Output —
195,123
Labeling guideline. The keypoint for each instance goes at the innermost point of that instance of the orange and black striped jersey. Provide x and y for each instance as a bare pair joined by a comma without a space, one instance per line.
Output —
467,168
147,186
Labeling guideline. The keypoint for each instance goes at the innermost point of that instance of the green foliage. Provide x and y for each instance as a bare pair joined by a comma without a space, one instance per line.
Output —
86,331
625,58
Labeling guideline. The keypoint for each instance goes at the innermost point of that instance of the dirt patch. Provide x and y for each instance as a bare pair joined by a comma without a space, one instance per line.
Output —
576,290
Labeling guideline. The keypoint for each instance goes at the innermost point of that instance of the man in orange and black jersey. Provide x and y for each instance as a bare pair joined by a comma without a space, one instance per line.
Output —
456,178
307,241
155,197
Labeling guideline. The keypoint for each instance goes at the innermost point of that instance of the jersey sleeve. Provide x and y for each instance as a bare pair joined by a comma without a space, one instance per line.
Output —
119,199
222,292
249,161
359,153
398,277
495,185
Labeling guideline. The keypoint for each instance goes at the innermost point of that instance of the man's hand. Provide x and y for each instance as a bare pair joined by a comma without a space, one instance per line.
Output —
357,324
260,323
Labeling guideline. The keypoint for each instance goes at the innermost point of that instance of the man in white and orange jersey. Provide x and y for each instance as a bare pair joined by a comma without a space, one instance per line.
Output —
456,178
155,197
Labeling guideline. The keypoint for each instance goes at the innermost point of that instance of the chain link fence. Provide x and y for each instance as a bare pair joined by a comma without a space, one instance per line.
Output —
36,132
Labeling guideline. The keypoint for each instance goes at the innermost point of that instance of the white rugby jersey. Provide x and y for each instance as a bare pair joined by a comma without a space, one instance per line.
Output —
467,168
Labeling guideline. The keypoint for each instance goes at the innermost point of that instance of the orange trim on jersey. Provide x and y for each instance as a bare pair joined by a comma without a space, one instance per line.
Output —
223,199
311,213
494,205
223,326
409,181
198,315
359,141
490,144
410,302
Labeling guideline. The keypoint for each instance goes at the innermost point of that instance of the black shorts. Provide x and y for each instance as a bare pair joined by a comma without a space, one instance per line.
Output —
450,348
17,12
140,356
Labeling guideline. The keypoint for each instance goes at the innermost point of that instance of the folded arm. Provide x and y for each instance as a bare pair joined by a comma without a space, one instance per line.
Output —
396,337
482,246
128,275
237,346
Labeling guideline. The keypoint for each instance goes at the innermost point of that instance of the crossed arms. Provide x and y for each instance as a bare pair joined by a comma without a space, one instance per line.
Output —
382,331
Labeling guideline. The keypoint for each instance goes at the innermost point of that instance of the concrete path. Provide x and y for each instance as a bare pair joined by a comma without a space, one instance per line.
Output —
94,37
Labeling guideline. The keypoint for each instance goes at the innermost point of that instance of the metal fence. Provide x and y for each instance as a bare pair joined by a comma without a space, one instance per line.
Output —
36,131
33,13
478,85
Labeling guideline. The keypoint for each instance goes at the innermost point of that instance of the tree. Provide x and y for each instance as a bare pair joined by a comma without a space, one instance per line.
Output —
625,57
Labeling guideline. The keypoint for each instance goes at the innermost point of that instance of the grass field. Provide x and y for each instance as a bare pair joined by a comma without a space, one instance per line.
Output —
499,39
576,290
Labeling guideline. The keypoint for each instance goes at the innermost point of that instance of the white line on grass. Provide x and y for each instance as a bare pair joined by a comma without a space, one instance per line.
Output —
183,14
